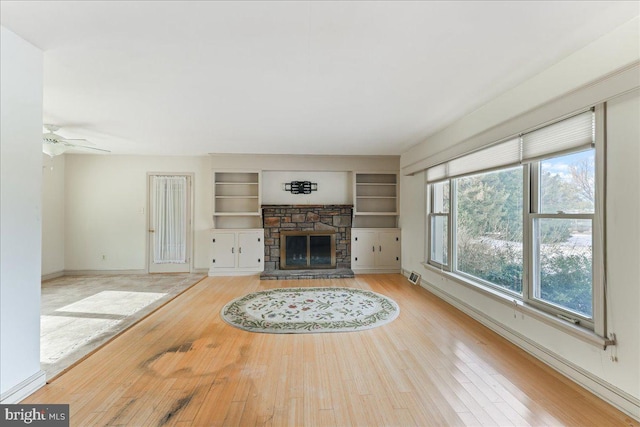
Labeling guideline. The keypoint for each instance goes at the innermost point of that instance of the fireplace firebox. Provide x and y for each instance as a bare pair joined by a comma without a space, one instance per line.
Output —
301,250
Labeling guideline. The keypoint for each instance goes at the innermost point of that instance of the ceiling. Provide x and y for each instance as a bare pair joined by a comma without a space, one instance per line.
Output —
190,78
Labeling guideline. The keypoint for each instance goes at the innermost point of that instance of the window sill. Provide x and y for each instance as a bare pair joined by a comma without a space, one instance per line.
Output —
577,331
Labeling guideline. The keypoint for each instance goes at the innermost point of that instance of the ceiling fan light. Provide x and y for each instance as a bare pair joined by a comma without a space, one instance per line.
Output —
54,149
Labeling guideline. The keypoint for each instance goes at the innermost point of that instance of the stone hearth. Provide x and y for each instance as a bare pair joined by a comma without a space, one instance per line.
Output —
336,218
335,273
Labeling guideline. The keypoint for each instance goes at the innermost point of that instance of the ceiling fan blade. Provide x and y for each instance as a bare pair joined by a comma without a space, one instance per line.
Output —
88,148
51,140
51,128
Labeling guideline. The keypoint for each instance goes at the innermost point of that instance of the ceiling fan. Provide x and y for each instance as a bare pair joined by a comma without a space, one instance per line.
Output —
54,144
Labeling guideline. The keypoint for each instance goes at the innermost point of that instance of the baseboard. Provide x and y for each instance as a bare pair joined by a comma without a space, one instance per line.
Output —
232,273
622,400
376,270
101,272
51,276
106,272
22,390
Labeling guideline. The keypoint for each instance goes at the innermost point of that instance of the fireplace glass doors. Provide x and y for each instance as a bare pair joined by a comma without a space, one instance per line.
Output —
307,249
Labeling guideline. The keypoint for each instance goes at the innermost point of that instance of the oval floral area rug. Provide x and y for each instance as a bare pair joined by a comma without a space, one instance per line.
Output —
310,310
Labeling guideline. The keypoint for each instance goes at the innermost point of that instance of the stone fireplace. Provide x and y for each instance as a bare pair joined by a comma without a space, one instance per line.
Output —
313,220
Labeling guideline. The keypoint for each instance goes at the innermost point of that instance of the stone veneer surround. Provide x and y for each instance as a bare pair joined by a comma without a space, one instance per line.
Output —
305,218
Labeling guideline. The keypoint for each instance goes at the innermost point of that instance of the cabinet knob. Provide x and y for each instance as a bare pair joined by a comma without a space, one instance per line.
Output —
233,250
240,250
213,261
373,248
379,248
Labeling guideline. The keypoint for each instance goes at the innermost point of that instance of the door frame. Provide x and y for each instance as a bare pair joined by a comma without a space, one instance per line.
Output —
190,215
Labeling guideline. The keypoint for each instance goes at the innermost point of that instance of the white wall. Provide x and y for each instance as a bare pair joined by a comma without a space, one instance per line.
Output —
333,188
623,241
618,381
106,209
53,215
21,67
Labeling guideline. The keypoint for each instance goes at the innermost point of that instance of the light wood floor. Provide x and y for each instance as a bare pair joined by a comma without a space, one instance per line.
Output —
433,365
76,333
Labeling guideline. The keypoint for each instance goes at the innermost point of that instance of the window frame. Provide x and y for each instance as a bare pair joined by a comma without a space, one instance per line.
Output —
431,214
531,216
531,194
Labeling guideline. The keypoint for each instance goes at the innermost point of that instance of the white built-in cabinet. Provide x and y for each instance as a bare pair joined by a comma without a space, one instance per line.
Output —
375,240
237,244
237,252
375,250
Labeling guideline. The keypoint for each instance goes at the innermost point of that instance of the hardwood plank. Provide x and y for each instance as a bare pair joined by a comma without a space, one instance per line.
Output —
433,366
234,414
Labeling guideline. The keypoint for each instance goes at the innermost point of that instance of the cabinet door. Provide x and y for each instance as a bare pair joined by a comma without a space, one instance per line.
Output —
388,249
364,248
250,249
224,250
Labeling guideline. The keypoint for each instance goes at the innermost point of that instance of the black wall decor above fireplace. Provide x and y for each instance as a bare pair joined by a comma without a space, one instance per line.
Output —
301,187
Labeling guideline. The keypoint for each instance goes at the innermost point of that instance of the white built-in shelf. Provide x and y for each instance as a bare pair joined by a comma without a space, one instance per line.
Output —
375,193
236,195
375,199
389,178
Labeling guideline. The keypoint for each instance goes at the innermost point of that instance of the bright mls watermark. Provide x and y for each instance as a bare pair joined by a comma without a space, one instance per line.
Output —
34,415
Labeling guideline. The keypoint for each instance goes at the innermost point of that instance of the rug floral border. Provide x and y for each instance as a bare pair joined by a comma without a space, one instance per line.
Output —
234,314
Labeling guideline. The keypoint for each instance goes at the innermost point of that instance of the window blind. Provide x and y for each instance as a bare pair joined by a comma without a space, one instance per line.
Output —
500,155
497,156
436,173
569,134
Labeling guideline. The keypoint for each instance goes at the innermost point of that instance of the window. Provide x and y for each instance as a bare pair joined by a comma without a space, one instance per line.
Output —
489,228
520,217
439,224
562,223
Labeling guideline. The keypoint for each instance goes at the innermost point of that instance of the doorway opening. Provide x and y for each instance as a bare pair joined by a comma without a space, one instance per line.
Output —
169,242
